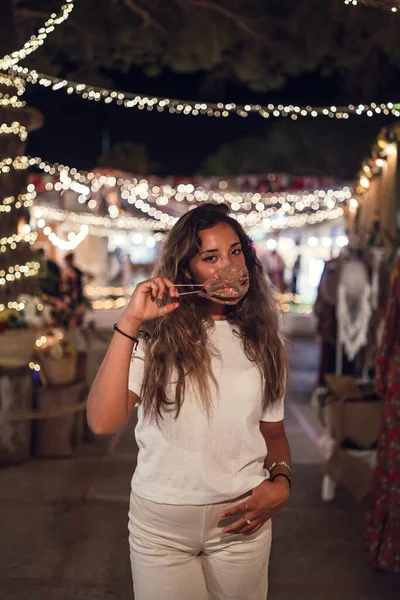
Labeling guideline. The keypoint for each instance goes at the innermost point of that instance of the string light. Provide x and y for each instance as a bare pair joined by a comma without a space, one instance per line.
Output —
12,81
270,211
17,85
284,210
279,206
35,41
18,163
75,239
29,269
211,109
105,226
296,221
141,194
107,232
6,100
12,100
376,3
16,129
101,291
23,200
161,195
34,366
385,145
95,221
15,239
109,304
18,306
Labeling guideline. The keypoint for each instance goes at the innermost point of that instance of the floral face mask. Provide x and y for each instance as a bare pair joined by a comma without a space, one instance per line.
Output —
227,286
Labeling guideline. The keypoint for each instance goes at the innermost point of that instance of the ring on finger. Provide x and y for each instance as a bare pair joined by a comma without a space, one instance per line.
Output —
161,311
246,507
247,521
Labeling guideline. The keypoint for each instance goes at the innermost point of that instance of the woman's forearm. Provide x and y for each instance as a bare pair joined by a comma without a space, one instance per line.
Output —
278,450
108,403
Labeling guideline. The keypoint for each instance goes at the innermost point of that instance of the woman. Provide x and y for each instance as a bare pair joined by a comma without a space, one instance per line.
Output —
208,377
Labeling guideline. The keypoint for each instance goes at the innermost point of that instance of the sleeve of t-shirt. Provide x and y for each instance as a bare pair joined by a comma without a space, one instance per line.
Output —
136,370
274,412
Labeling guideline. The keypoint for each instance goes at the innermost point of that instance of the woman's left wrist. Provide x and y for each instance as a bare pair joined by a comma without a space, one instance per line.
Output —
282,479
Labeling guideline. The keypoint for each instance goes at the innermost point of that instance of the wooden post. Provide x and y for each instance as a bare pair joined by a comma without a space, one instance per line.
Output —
15,395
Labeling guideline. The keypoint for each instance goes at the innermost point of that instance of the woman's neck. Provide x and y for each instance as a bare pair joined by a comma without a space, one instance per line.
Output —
217,311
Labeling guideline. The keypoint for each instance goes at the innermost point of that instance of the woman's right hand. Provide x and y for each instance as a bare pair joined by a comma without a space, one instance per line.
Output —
143,306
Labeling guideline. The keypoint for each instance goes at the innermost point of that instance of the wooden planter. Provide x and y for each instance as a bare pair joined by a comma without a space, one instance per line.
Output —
59,371
58,436
17,347
15,395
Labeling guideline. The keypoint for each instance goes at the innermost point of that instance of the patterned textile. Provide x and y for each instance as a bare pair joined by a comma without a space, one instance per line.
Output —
228,286
382,536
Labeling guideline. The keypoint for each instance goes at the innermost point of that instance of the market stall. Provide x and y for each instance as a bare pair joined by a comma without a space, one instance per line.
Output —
353,296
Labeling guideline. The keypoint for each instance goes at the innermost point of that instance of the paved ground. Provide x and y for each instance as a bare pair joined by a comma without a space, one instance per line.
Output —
63,522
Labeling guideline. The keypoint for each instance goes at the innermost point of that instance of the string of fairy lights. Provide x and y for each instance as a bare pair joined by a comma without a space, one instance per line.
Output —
35,41
142,192
29,269
373,166
392,6
105,227
211,109
16,238
94,222
22,200
15,129
17,87
74,239
267,211
18,163
12,81
173,105
17,84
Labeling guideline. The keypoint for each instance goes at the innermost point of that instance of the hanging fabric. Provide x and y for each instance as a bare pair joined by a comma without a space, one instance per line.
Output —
353,310
382,535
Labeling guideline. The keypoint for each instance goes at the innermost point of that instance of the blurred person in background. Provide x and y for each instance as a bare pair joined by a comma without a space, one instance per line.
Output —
295,274
49,275
72,278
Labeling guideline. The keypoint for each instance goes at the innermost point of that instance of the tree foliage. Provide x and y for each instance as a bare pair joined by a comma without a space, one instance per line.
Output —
317,147
126,156
256,42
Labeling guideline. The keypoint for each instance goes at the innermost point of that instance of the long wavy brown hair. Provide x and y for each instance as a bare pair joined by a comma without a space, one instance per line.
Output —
178,348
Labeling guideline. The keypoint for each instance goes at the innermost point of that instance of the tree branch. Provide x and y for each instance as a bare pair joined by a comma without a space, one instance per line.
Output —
27,12
37,14
222,10
144,14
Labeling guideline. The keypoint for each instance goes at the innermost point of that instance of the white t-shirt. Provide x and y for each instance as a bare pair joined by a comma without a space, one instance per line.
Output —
200,459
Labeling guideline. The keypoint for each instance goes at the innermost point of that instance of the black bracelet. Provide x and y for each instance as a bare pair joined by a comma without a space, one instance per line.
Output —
282,475
131,337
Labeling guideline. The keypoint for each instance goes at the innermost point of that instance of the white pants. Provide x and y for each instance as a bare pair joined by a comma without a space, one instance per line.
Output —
179,553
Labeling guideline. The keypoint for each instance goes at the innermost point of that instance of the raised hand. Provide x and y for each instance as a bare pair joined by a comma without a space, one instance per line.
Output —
143,303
